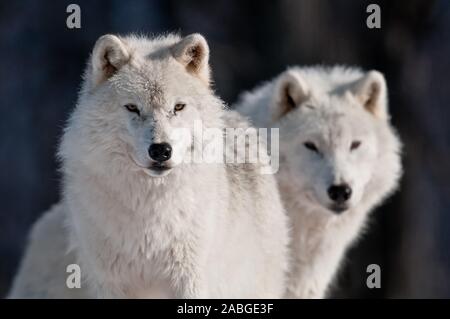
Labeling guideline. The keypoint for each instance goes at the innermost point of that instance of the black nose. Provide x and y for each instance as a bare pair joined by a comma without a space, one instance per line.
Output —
340,193
160,152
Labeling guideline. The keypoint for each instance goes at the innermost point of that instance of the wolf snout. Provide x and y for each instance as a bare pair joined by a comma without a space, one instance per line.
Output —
339,194
160,152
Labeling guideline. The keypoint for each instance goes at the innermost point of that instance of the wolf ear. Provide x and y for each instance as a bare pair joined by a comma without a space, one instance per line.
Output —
371,92
291,90
193,53
108,56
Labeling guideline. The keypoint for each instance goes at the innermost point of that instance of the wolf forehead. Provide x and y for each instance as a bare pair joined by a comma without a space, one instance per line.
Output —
142,85
329,123
335,110
150,70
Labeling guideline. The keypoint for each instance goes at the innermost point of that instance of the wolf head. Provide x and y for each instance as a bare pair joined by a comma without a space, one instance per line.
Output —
336,141
139,101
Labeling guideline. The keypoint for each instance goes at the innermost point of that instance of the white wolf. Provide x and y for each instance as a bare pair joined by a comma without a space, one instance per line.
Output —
142,221
339,157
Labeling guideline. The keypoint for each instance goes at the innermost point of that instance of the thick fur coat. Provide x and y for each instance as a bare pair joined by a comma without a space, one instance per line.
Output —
340,157
141,228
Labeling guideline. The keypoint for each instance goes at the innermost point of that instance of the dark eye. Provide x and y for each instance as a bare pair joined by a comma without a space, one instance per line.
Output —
133,108
355,145
179,107
311,146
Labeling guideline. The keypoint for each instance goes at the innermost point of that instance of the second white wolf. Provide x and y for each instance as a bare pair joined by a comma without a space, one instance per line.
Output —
339,158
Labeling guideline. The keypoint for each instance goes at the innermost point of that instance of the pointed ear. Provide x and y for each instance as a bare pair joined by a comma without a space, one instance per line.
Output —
108,56
193,53
291,90
371,92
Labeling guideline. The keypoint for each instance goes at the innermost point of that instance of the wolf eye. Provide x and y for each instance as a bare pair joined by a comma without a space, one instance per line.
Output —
355,145
311,146
132,108
179,107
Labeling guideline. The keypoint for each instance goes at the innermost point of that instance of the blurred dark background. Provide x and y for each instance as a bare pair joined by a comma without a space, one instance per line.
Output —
42,61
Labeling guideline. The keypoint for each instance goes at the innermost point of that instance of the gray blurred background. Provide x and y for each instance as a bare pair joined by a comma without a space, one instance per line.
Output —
42,61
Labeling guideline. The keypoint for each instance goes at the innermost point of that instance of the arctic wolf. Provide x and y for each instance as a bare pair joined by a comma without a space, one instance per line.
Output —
339,158
143,222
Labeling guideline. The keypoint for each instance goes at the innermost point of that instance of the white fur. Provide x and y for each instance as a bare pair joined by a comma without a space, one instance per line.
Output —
195,231
42,273
330,107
